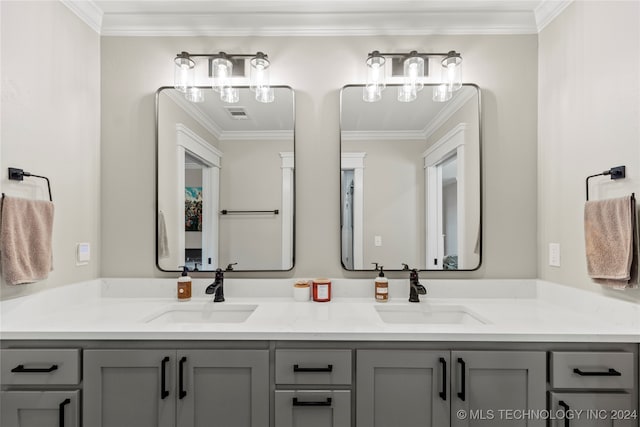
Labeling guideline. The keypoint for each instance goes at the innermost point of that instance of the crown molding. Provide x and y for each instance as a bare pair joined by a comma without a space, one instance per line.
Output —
195,113
548,10
447,111
89,12
257,135
382,135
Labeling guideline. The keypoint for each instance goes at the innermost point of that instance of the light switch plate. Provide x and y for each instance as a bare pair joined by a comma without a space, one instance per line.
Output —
83,253
554,254
377,240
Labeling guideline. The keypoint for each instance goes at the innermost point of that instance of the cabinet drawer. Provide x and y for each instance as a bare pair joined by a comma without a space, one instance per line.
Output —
40,366
592,370
313,366
304,408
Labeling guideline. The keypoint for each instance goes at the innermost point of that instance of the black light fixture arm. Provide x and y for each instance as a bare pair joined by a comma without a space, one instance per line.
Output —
412,53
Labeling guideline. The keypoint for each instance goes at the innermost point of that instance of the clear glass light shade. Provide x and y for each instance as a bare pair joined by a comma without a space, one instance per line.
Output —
221,69
371,93
452,71
194,94
265,94
407,93
376,71
230,95
259,72
441,93
184,73
414,72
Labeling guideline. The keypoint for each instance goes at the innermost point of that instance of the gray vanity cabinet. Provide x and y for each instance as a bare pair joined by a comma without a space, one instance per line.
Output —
599,409
39,408
166,388
488,387
223,388
129,388
402,388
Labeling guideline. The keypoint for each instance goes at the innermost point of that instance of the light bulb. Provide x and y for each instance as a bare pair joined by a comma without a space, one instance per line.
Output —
184,72
376,70
259,72
414,71
221,70
452,65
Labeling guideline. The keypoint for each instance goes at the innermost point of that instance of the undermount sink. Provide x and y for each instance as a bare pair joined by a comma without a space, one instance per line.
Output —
203,313
428,314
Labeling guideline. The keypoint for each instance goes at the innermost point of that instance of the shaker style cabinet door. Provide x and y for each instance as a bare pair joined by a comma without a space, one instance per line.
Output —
402,388
313,408
222,388
39,408
604,409
129,388
489,387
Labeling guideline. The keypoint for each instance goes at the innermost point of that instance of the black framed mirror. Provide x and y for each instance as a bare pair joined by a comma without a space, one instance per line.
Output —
410,187
225,181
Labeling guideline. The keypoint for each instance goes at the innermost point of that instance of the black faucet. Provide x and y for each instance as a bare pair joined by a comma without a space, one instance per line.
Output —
216,287
415,288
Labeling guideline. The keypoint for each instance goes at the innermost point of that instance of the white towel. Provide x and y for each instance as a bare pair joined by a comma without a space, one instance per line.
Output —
26,240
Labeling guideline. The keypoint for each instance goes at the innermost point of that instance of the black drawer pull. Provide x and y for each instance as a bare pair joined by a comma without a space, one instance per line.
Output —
443,393
21,368
163,378
610,373
61,411
296,402
566,409
182,393
297,368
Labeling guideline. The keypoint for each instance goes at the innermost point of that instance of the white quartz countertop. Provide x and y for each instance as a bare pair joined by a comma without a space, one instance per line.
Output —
507,310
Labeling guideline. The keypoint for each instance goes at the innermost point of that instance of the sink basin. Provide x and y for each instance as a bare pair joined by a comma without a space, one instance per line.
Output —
203,313
428,314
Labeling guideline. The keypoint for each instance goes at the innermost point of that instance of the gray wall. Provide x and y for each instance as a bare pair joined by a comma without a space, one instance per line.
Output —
589,121
50,125
505,67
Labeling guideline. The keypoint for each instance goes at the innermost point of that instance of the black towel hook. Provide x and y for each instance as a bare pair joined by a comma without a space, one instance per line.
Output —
16,174
617,172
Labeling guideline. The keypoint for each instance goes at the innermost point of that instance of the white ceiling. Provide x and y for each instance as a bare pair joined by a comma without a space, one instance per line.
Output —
314,17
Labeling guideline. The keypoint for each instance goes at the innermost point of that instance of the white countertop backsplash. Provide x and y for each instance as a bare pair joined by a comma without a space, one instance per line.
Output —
515,310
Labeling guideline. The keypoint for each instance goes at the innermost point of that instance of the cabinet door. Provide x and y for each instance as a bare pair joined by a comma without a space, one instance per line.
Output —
493,388
307,408
593,410
223,388
129,388
39,408
402,388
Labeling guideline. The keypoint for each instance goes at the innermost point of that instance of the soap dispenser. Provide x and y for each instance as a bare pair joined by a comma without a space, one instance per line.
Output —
382,286
184,285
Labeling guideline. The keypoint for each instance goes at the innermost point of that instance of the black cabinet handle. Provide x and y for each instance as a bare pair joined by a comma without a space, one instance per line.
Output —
61,412
163,378
21,368
463,373
566,409
182,392
297,368
610,373
443,393
327,402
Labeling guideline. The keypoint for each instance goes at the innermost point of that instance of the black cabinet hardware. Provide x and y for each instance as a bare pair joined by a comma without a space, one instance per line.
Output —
610,373
463,373
443,393
566,409
21,369
163,378
61,411
297,368
327,402
181,392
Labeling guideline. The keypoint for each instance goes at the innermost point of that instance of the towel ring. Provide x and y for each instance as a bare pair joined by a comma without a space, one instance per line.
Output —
617,172
16,174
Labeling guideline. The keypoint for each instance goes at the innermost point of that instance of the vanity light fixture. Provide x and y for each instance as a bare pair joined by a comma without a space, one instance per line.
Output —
413,75
221,72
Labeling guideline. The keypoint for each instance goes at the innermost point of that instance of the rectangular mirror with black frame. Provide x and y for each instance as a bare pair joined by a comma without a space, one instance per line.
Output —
225,181
410,187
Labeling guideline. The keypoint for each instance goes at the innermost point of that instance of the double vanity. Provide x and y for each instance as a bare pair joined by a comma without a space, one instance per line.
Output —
125,352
